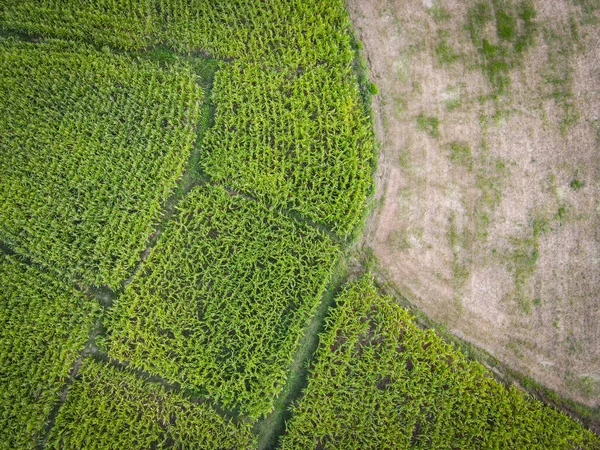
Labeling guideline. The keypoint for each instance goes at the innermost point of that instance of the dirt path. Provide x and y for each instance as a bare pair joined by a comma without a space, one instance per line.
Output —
489,174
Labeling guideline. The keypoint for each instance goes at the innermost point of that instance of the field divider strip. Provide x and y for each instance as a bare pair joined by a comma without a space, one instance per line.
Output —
270,430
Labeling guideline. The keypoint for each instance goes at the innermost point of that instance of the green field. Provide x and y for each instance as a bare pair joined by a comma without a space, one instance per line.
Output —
109,407
92,145
180,186
378,381
223,299
44,323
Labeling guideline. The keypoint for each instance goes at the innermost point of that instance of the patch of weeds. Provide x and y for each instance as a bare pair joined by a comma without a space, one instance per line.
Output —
439,13
515,30
404,160
514,346
460,244
506,25
558,74
490,176
584,384
589,8
527,14
401,105
453,103
561,214
460,153
496,66
444,52
405,239
522,260
417,88
576,184
429,124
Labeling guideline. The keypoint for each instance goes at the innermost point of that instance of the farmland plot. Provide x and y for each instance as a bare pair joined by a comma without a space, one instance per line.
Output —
380,382
91,145
223,299
109,407
43,326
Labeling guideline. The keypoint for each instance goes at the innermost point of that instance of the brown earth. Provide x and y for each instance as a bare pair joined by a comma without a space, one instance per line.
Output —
488,197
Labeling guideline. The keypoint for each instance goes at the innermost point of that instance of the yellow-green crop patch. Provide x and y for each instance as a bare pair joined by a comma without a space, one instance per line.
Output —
43,326
270,30
110,408
91,145
381,382
296,139
220,304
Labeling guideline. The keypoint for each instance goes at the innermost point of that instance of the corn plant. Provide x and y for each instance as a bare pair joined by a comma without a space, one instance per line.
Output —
110,408
91,145
379,381
43,326
220,304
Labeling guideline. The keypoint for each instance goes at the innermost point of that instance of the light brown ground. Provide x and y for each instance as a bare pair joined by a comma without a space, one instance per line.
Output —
500,245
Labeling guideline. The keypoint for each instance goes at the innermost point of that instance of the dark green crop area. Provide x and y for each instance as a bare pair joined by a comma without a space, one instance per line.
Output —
179,180
378,381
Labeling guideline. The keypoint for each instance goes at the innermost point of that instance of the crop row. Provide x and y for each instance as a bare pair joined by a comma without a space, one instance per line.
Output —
295,31
110,408
290,125
43,326
381,382
91,145
221,302
295,139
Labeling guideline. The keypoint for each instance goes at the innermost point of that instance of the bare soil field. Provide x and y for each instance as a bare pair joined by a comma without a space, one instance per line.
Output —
488,185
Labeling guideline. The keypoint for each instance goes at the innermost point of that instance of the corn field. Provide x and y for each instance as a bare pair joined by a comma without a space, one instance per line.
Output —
378,381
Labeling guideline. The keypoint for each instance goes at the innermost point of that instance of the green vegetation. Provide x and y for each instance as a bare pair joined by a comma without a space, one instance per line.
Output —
444,52
110,408
429,124
515,30
44,325
270,30
460,153
576,184
220,304
558,73
381,382
278,140
112,135
272,167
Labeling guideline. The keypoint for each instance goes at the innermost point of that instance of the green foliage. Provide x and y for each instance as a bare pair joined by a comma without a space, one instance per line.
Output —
515,28
270,30
296,139
576,184
109,408
91,146
44,324
460,153
429,124
220,304
381,382
444,52
290,125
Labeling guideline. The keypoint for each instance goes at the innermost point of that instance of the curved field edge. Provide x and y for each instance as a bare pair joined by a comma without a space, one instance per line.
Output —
379,381
242,45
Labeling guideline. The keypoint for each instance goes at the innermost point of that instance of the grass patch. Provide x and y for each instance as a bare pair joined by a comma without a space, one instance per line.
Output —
514,31
429,124
444,52
460,153
576,184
